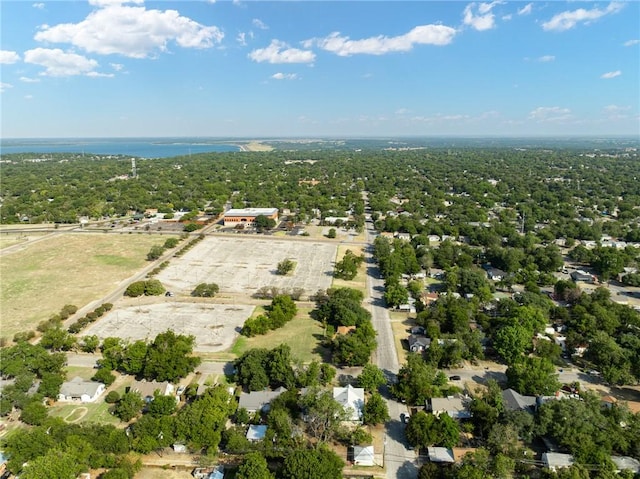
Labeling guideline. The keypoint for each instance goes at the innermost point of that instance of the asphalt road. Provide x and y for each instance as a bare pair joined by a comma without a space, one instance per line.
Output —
398,461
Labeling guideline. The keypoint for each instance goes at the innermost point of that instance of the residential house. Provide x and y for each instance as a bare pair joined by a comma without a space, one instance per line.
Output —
418,344
256,432
351,399
147,389
258,400
494,274
440,455
556,460
514,401
363,456
79,389
626,463
417,330
455,406
216,472
583,276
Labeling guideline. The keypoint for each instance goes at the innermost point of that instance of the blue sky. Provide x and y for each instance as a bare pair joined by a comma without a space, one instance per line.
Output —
108,68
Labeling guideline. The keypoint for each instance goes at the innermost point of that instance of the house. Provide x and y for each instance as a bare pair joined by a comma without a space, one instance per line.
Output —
79,389
351,399
626,463
417,344
216,472
583,276
440,454
555,460
247,216
363,456
147,389
256,432
258,400
495,274
178,447
514,401
454,406
417,330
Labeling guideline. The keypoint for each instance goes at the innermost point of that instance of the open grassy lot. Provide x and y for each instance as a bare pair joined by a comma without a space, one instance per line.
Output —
400,325
11,239
95,412
302,334
360,281
41,278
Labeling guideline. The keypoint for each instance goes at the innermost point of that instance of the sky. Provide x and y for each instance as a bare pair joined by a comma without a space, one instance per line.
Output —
283,69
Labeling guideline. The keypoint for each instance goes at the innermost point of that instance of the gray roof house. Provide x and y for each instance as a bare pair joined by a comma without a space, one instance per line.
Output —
258,400
351,399
556,460
626,463
363,456
417,344
514,401
81,390
147,389
456,407
440,454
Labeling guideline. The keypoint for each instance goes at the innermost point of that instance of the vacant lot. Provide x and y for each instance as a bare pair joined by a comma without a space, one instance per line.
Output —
242,264
43,276
215,326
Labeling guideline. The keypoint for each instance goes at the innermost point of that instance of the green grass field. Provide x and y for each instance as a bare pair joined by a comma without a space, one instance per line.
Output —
360,281
302,334
42,277
96,412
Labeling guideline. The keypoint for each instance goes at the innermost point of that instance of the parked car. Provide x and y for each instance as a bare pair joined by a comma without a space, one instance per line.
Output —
455,377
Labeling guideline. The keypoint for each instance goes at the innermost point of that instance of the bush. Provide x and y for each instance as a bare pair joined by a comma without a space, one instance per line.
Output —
171,243
205,290
104,375
153,287
112,398
135,289
332,233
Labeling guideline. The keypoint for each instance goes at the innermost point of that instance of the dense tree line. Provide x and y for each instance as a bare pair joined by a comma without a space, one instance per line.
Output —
281,310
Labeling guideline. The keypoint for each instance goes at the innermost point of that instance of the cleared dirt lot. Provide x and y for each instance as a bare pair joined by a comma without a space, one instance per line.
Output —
241,264
215,326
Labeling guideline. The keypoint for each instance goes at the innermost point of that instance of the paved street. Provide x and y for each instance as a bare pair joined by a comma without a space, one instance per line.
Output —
399,462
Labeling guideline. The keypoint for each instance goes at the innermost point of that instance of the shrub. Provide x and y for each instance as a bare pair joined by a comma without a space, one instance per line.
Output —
135,289
112,398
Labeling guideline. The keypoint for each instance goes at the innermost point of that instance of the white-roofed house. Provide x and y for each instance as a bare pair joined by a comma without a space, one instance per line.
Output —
363,456
556,460
79,389
256,432
456,407
351,399
440,454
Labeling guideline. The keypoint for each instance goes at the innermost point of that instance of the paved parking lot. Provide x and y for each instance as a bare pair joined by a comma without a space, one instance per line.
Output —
215,326
243,264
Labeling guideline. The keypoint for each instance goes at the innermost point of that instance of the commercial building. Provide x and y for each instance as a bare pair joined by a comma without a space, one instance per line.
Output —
247,216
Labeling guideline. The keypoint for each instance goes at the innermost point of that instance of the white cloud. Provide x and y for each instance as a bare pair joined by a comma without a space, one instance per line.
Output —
28,97
259,24
5,86
284,76
570,18
549,114
546,58
609,75
484,19
30,80
241,38
39,6
615,112
130,31
380,45
117,66
526,10
280,52
60,64
507,17
630,43
7,57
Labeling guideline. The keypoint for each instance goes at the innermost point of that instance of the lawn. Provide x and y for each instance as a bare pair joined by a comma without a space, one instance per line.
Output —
302,334
360,281
400,324
41,278
97,412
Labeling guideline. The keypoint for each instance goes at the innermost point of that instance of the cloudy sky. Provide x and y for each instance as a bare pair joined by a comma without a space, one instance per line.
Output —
110,68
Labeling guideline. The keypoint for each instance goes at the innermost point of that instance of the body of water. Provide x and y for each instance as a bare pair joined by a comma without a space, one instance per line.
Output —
136,147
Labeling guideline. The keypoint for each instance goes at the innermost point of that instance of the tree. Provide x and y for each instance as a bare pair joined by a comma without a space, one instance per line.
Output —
347,268
205,290
285,267
264,222
421,430
395,295
321,463
416,381
105,376
332,233
135,289
375,410
153,287
162,405
155,253
55,464
254,466
34,413
371,378
324,414
533,376
169,357
129,406
512,341
57,339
